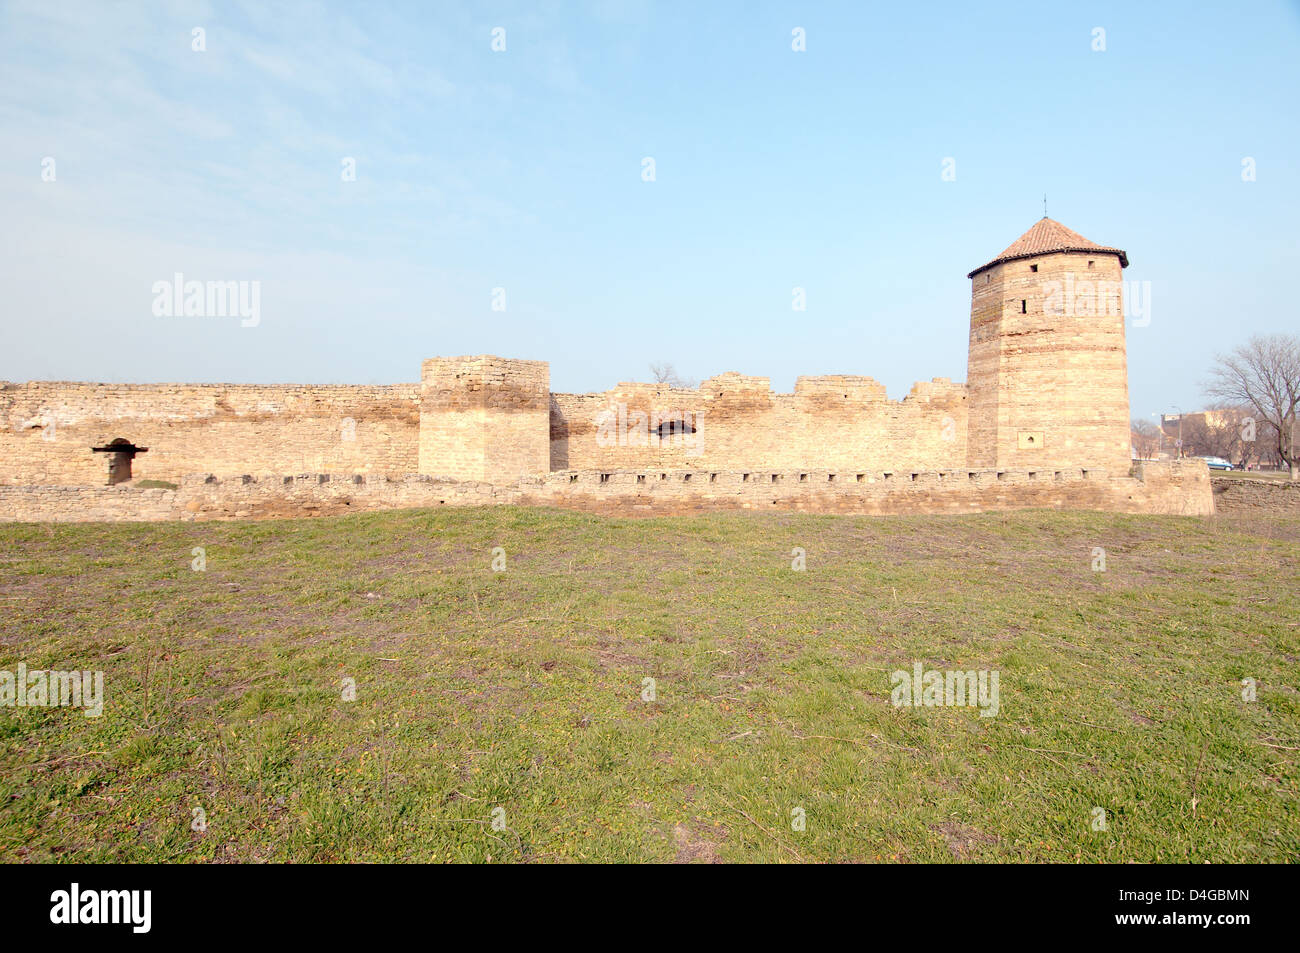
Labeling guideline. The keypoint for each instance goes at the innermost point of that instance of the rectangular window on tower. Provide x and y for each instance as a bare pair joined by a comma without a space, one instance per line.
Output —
1022,307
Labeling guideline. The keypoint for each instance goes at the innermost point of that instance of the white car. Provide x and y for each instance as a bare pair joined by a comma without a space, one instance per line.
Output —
1217,463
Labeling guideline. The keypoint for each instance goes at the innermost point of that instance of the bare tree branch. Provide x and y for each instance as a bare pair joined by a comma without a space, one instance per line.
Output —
1146,438
665,373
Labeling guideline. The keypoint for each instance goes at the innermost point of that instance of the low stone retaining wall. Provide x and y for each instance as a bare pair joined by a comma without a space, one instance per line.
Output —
85,504
1181,488
321,494
204,497
1258,496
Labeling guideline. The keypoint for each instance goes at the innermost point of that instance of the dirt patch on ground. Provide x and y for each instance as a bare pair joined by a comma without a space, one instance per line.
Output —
962,840
693,847
609,655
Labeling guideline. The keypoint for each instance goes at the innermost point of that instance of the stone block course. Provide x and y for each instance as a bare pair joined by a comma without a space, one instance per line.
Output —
1246,496
1174,488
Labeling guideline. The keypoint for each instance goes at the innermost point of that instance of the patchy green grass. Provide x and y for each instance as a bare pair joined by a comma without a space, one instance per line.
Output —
522,690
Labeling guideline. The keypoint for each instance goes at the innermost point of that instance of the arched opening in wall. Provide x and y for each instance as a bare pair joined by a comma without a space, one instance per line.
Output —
120,454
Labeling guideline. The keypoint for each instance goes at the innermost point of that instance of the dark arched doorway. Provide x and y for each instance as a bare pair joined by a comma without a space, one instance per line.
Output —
120,454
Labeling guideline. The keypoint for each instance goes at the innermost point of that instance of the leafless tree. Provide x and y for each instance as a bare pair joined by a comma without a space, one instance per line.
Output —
1265,374
1146,439
665,373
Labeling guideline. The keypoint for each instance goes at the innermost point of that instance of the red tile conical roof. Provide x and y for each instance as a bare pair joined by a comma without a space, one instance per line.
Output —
1046,236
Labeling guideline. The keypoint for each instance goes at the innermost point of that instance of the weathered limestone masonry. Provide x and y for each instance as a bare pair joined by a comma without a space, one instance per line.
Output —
1174,488
733,421
1043,421
85,504
47,429
484,418
1047,369
1180,488
203,496
1242,495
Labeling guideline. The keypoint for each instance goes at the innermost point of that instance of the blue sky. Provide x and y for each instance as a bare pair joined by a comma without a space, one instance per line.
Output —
522,170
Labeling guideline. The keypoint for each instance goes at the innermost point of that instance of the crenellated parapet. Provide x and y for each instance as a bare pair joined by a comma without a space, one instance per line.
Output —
1046,392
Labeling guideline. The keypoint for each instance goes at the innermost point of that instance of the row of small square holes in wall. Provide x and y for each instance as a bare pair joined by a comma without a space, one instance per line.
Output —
830,478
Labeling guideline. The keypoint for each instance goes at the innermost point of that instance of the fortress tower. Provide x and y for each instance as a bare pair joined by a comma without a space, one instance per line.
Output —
485,418
1047,376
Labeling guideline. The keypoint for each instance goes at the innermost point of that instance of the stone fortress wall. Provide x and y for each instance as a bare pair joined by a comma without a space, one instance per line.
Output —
1241,495
831,422
1046,398
47,430
474,418
1169,488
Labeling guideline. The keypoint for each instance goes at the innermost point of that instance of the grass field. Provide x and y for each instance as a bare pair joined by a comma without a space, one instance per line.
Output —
1276,476
1120,690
